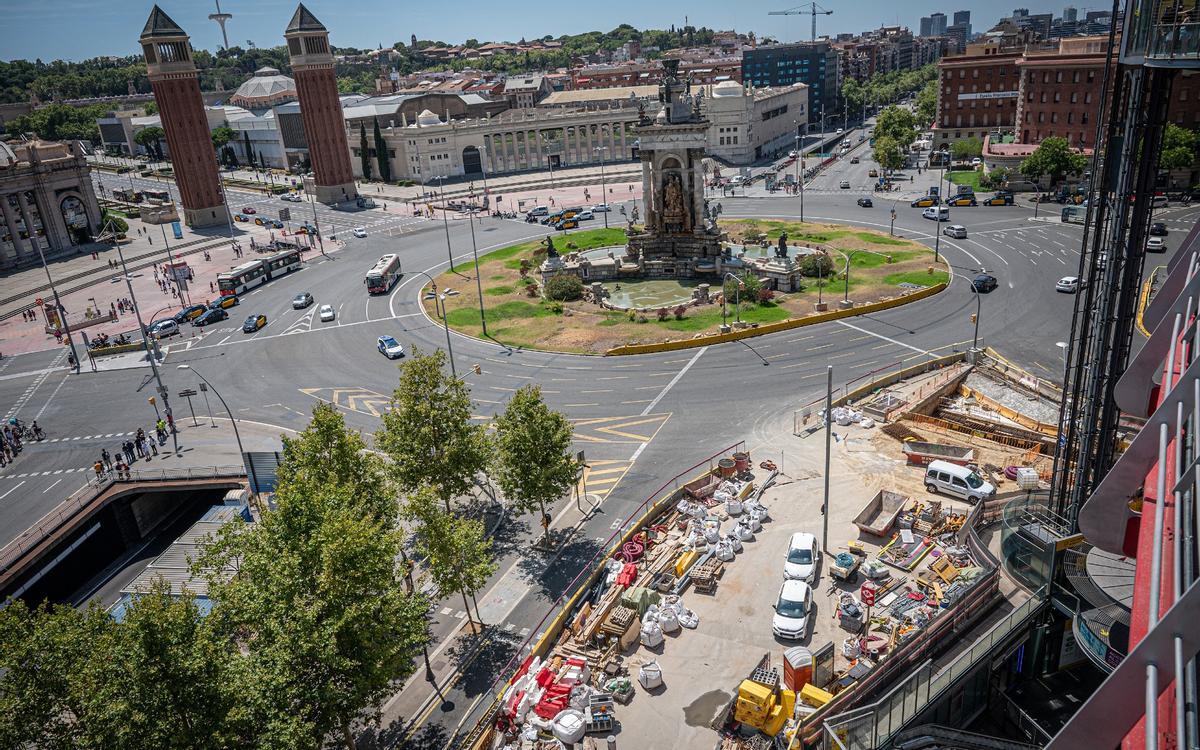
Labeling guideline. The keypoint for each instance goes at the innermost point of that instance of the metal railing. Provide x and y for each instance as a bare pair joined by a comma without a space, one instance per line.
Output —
93,488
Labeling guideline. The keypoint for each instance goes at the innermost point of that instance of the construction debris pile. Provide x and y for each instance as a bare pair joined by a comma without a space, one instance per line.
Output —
919,572
558,700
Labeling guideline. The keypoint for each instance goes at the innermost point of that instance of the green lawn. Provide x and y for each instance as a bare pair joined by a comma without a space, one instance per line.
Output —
923,278
469,316
711,316
965,178
584,239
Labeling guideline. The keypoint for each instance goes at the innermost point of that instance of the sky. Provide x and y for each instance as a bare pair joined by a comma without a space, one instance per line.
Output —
79,29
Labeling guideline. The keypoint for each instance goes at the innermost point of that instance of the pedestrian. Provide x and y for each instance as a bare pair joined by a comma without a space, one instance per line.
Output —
128,451
99,469
170,422
105,458
141,447
153,446
211,288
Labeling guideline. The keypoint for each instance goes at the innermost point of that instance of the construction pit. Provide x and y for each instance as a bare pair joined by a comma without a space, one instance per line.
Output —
671,643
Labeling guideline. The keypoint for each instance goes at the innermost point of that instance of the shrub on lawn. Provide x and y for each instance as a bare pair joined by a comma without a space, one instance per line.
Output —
564,288
817,264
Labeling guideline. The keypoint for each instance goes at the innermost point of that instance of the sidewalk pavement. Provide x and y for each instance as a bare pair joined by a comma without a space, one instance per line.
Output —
105,286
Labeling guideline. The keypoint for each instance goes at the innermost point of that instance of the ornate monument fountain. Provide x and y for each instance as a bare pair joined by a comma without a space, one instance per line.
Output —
679,238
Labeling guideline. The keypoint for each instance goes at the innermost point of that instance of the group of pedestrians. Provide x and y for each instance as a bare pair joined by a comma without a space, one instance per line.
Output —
142,446
12,438
29,315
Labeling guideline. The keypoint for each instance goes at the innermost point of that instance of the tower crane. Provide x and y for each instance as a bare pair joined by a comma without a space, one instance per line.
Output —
811,8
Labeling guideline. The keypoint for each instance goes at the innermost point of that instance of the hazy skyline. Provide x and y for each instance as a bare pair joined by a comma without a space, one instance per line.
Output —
75,30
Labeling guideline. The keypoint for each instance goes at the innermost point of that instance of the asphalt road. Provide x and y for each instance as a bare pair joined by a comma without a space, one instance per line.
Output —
641,420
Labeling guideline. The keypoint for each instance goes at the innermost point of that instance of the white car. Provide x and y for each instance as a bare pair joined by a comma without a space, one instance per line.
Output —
360,232
976,161
792,611
600,208
839,131
585,215
327,313
1156,245
389,347
957,231
802,558
844,185
1068,284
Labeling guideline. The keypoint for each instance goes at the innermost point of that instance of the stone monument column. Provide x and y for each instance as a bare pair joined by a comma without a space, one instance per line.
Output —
172,74
648,191
320,107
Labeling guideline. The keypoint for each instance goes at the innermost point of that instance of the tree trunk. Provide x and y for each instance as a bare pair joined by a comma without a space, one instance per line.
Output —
478,616
347,733
545,526
466,606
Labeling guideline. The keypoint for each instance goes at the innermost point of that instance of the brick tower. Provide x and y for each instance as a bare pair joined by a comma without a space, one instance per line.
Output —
173,77
320,108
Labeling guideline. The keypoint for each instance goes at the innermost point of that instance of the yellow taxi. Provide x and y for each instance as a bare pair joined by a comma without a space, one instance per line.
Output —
567,224
998,200
925,202
225,302
962,200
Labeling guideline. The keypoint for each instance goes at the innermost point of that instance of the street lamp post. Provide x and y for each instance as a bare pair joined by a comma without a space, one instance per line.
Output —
446,218
62,314
978,312
937,237
162,389
167,250
850,257
799,176
478,282
312,202
236,435
737,301
445,323
603,187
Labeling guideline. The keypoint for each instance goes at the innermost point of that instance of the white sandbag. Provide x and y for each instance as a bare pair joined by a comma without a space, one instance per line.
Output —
751,523
651,614
733,507
579,697
744,533
851,648
866,422
724,551
668,619
650,675
734,542
723,496
652,635
689,619
569,726
712,534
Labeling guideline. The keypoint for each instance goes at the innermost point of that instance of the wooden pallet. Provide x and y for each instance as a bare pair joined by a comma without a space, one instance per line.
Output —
704,576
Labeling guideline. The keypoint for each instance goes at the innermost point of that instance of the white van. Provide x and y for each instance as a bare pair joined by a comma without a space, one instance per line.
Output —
957,481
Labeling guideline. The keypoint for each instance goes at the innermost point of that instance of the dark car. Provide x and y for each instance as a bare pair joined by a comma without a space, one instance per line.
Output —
984,282
1158,229
865,202
191,312
212,316
301,301
224,302
253,323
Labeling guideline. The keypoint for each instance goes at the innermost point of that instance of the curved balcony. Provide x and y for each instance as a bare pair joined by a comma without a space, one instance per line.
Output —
1104,581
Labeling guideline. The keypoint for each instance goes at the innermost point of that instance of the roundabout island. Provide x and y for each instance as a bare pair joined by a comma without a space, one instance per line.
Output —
678,276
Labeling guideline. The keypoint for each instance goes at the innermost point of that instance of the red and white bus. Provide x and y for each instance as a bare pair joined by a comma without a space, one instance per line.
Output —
282,263
242,279
383,275
258,272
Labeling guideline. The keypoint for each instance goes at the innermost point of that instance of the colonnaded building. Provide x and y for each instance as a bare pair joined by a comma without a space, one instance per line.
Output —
576,128
46,202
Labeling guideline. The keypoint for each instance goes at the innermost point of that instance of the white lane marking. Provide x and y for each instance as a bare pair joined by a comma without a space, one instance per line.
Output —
56,481
14,489
884,338
650,406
